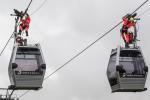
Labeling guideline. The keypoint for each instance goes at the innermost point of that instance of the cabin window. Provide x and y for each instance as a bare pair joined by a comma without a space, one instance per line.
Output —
26,62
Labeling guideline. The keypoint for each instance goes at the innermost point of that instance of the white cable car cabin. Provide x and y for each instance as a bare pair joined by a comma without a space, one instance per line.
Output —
26,68
127,70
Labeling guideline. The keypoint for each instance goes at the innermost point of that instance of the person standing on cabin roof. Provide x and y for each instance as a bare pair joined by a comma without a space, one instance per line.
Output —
24,25
128,22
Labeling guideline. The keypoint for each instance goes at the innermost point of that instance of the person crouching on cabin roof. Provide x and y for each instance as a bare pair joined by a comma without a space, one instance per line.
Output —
21,41
24,25
128,22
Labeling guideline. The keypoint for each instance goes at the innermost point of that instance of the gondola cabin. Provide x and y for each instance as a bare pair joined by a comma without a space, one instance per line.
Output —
27,67
127,70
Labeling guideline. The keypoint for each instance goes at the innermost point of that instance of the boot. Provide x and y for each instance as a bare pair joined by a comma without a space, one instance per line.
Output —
19,32
126,45
25,42
27,33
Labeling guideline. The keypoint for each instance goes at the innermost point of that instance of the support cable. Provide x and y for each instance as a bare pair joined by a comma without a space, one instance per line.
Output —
139,7
143,13
36,10
83,50
6,44
28,7
11,94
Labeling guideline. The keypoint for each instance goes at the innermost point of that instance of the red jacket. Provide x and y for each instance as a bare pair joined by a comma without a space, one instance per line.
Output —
26,20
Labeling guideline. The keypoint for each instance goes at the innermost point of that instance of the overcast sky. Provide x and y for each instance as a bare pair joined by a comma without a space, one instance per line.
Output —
64,28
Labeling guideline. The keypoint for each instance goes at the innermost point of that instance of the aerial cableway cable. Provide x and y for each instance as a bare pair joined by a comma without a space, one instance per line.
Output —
28,7
144,12
103,35
6,44
42,4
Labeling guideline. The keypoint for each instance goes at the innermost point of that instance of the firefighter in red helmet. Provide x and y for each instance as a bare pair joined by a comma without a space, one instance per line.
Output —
128,36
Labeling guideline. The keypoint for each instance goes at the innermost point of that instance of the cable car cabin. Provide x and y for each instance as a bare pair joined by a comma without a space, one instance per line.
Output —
127,70
26,68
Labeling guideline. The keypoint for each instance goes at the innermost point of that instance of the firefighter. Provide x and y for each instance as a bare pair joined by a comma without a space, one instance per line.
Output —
128,22
24,25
